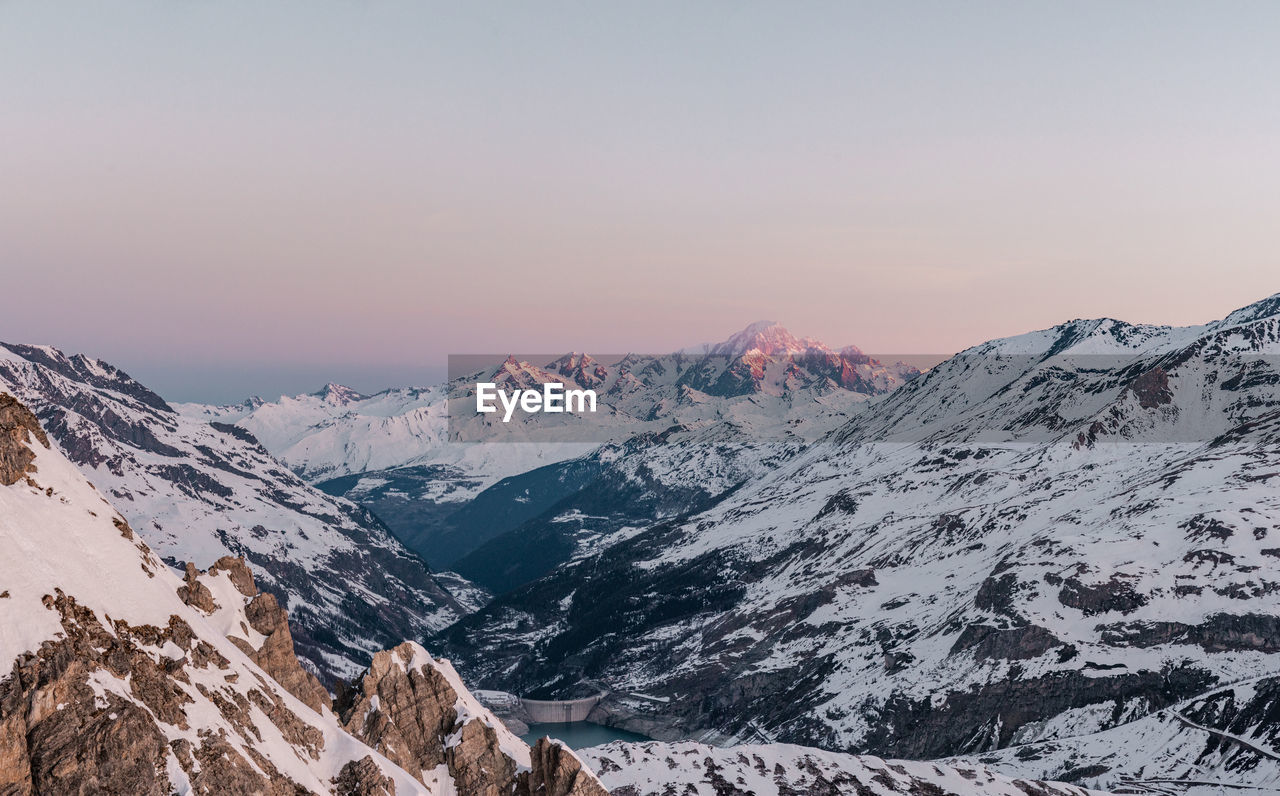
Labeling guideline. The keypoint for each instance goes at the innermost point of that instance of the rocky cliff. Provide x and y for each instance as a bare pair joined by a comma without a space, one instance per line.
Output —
255,622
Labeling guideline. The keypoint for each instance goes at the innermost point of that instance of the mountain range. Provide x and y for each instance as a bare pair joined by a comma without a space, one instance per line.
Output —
1048,556
126,678
454,493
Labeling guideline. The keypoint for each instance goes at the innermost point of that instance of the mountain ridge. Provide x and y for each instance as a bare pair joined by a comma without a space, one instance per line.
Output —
198,492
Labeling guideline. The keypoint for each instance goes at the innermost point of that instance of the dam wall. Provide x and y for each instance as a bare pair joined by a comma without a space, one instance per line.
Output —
555,711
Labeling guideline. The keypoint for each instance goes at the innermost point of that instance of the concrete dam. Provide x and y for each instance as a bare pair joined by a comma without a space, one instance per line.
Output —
555,711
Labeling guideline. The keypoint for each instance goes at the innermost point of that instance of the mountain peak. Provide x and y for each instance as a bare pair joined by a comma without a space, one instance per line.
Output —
767,337
338,394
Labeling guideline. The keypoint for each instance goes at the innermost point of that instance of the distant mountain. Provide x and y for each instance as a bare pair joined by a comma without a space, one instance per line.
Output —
198,491
397,453
1046,537
336,433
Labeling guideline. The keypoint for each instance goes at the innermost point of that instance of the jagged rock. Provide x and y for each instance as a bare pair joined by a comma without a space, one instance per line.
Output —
112,684
239,572
17,426
558,772
60,734
276,655
195,493
406,707
195,593
362,778
263,614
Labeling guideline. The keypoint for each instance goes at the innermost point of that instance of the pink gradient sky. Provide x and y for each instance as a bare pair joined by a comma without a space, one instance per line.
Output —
240,197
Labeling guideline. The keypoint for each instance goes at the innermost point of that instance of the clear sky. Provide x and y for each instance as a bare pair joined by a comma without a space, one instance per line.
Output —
234,197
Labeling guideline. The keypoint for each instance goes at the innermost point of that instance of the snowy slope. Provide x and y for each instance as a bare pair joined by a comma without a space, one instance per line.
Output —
197,492
1200,747
168,686
783,770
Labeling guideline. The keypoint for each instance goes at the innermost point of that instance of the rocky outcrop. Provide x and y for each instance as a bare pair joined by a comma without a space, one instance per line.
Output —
194,593
276,655
1152,388
414,710
262,614
362,778
63,731
17,426
558,772
238,572
1113,595
1017,643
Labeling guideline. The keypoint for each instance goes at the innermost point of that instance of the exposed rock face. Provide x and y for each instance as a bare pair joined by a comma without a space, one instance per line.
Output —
239,573
363,778
17,426
125,680
415,711
110,684
196,594
261,613
558,772
61,732
276,655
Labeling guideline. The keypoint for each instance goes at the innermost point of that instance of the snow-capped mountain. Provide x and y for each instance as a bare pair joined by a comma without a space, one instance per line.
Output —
336,432
398,453
1046,537
390,452
198,491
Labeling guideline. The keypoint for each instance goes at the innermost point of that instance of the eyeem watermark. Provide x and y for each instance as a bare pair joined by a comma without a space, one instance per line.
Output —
553,398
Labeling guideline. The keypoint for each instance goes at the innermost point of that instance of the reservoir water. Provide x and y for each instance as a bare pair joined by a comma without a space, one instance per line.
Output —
580,734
